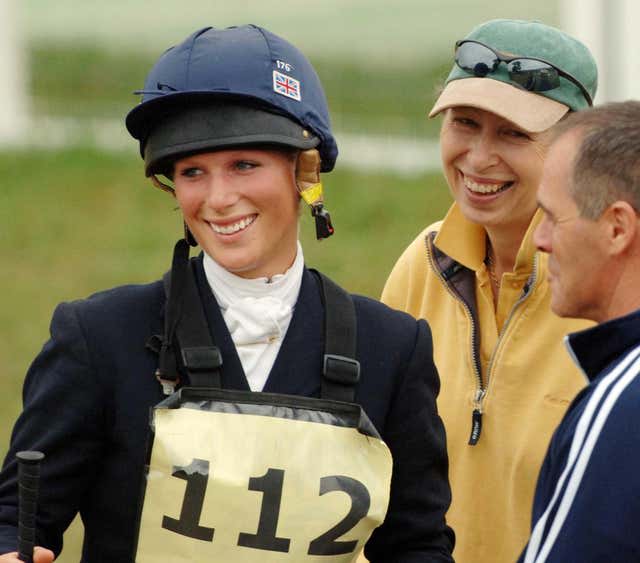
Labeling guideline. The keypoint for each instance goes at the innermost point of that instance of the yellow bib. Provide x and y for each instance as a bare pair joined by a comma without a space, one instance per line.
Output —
239,477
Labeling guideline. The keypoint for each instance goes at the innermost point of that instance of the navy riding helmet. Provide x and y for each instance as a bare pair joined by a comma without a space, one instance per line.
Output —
230,87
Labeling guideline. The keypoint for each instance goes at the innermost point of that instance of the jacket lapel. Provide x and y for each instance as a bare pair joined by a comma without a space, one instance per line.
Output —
233,376
297,369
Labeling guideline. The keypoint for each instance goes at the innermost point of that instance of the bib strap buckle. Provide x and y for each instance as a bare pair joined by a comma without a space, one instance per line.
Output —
340,376
203,365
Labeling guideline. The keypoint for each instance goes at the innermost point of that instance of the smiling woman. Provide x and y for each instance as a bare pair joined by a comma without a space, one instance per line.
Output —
492,167
242,207
475,277
269,386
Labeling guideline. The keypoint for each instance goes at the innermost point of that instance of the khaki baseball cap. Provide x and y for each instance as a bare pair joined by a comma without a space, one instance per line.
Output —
497,93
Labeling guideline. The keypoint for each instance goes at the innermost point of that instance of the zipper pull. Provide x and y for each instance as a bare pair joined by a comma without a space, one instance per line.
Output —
476,418
476,427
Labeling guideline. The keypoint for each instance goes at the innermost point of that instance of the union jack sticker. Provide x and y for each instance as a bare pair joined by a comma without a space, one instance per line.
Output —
285,85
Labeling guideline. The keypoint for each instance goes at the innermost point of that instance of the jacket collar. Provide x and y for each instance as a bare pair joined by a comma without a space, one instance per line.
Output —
465,241
596,348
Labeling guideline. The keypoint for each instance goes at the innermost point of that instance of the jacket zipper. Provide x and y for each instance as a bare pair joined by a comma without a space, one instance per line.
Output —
476,415
526,291
481,389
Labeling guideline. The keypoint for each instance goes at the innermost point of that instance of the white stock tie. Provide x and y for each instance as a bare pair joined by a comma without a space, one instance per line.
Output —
257,313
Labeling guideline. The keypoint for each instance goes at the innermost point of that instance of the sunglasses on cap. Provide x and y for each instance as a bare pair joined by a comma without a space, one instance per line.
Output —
534,75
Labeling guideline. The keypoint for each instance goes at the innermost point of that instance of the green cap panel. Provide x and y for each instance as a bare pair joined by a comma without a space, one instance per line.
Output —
540,41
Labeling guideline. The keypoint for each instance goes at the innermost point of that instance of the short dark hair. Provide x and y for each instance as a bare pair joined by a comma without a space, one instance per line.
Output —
607,164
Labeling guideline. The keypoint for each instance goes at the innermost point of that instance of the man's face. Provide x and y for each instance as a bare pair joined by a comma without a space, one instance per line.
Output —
576,245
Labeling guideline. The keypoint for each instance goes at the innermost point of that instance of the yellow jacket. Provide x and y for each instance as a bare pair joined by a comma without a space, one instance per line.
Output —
509,365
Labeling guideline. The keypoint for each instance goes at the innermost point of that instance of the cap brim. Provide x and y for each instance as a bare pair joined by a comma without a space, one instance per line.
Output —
532,112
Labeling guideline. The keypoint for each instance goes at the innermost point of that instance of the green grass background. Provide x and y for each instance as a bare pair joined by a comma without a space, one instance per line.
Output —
77,220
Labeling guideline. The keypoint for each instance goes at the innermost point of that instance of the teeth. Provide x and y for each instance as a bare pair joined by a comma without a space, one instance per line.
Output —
233,228
484,188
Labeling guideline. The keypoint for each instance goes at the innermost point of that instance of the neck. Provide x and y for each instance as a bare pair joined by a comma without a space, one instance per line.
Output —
505,242
619,291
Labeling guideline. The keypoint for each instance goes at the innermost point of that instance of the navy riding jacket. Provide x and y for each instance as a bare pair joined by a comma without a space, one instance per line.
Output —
88,395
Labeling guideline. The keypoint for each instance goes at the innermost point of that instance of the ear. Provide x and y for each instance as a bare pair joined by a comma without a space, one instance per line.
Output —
622,227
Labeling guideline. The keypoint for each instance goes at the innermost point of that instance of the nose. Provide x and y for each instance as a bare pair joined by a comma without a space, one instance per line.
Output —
221,193
483,153
542,235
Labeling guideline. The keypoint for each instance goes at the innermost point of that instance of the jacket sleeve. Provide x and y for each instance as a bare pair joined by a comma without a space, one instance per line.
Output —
395,292
62,417
405,287
415,529
589,486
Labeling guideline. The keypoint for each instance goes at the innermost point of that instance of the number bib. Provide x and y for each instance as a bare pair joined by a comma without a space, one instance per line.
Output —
239,477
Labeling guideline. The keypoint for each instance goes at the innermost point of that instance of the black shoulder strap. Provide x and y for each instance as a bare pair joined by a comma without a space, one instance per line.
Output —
186,327
340,370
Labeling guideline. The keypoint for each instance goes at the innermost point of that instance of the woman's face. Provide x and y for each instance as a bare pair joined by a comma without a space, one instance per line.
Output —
492,166
242,207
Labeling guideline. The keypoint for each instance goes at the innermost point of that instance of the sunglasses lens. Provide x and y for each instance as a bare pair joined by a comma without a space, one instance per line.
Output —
532,75
476,59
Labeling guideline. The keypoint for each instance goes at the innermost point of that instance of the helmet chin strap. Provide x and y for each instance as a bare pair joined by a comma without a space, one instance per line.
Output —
310,189
188,235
